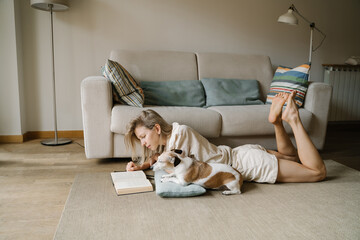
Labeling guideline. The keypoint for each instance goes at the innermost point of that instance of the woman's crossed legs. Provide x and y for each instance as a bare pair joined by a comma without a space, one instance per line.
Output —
304,164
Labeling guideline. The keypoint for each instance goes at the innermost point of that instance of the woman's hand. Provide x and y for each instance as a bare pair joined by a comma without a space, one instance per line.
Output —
131,166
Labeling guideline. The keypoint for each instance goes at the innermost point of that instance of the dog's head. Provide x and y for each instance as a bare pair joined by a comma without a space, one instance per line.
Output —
168,160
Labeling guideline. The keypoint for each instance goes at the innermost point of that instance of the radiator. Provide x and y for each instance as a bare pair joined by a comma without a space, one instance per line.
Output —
345,102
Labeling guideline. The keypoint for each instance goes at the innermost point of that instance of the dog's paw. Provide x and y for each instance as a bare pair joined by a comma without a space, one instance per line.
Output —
229,192
163,180
167,176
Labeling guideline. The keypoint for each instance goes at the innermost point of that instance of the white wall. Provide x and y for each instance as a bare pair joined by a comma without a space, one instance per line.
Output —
85,35
10,74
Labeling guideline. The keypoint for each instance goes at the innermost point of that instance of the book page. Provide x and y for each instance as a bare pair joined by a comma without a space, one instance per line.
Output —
130,182
133,183
121,176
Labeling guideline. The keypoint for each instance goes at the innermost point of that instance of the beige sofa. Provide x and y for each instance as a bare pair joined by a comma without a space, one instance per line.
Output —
105,122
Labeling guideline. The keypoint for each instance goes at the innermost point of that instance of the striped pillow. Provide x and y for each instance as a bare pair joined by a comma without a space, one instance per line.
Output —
288,80
125,88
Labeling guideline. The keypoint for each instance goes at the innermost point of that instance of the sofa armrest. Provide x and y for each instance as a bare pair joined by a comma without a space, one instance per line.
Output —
317,101
96,105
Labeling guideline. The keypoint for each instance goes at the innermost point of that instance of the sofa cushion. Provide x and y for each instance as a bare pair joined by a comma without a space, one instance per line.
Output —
221,92
252,120
205,121
290,79
188,93
125,88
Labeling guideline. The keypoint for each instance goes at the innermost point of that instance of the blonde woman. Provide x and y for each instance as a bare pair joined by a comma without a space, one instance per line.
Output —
254,162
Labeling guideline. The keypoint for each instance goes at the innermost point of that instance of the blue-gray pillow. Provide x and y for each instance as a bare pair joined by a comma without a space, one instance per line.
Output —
170,189
174,93
231,92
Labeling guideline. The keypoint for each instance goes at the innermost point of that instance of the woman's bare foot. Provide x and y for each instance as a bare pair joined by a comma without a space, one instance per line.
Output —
291,113
276,107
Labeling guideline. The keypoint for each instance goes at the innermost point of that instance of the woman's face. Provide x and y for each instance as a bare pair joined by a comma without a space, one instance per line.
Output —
149,138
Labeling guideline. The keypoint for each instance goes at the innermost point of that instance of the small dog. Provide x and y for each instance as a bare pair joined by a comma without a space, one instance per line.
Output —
186,170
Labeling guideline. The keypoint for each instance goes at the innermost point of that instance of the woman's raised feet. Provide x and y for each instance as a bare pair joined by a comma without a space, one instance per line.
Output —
276,107
291,113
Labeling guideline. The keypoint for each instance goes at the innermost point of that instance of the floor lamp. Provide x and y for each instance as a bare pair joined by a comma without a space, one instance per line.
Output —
52,6
290,18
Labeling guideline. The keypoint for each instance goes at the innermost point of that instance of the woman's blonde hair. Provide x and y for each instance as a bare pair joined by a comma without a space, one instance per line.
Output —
148,118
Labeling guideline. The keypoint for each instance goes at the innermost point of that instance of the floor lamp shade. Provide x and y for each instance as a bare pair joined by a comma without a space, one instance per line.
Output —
52,6
57,5
288,18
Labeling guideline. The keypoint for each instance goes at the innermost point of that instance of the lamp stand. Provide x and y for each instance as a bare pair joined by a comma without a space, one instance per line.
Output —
311,41
289,18
312,26
56,141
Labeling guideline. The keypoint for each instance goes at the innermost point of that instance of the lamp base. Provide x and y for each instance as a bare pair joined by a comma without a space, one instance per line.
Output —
53,142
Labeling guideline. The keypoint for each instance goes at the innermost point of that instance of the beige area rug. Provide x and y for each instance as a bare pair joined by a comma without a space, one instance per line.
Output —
324,210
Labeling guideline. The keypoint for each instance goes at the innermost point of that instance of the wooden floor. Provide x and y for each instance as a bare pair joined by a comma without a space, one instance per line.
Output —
342,144
35,180
34,184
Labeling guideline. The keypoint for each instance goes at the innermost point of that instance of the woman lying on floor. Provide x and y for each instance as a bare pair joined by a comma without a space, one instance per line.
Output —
254,162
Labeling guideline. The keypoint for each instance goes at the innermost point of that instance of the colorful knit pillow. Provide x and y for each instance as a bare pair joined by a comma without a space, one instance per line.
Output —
125,88
290,79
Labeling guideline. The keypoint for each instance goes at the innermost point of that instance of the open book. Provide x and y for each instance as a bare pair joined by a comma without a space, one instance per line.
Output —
131,182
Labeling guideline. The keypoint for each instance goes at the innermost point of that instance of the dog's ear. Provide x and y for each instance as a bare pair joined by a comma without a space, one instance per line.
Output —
178,151
177,161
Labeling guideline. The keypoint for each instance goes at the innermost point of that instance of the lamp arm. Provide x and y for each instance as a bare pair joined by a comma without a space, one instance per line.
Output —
312,25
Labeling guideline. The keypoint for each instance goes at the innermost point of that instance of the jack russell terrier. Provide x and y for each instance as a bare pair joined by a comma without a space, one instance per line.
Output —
186,170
